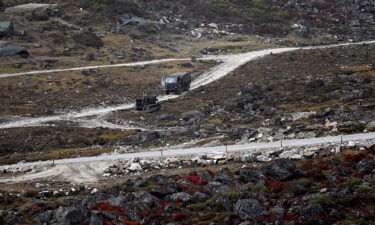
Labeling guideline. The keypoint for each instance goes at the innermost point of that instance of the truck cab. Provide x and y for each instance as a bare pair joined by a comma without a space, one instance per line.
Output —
176,82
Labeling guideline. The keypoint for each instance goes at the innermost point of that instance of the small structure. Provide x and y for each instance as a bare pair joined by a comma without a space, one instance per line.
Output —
176,82
147,104
5,28
10,50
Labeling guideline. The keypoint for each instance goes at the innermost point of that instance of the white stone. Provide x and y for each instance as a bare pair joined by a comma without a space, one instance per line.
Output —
135,167
262,158
286,154
296,156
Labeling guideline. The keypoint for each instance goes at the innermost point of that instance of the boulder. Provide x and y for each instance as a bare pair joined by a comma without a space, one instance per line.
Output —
44,217
10,50
224,176
149,200
279,169
135,167
249,175
297,189
35,11
161,191
88,39
199,197
181,196
215,187
95,220
310,211
251,89
192,114
206,175
248,208
68,216
371,126
366,166
73,216
5,28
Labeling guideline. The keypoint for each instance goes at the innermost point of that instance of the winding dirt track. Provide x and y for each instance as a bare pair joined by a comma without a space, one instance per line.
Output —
229,64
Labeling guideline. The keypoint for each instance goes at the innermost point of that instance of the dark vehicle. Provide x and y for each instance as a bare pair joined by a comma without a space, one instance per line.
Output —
176,82
147,104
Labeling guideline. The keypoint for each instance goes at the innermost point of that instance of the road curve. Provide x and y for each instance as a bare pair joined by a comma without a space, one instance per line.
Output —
229,64
194,151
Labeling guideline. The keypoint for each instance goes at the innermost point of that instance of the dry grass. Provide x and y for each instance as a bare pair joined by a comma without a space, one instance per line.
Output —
53,154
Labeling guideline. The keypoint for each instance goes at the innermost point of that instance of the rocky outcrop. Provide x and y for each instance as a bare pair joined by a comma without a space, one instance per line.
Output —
35,11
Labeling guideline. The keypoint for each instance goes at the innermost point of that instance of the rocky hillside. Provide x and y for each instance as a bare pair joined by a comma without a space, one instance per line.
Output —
325,189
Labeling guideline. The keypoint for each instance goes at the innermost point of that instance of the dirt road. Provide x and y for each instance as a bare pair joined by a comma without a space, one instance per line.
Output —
229,64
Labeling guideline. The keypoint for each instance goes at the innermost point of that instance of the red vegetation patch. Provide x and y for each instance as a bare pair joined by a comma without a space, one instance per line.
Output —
341,179
308,165
106,207
354,157
289,215
265,219
185,186
323,165
277,185
316,174
131,223
178,216
195,179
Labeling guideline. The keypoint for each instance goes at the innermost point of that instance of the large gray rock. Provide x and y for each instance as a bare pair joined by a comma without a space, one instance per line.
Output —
249,175
248,208
68,216
311,210
10,50
44,217
162,191
279,169
192,114
95,220
224,176
366,166
251,89
5,28
181,196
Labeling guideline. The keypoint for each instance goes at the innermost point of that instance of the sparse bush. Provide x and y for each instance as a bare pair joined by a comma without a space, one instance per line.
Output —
351,182
362,189
324,200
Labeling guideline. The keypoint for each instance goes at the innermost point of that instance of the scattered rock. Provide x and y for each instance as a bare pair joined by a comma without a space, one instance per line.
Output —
249,175
248,208
11,50
5,28
35,11
279,169
88,39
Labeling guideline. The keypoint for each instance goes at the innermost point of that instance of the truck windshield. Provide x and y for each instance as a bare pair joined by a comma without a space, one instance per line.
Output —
170,80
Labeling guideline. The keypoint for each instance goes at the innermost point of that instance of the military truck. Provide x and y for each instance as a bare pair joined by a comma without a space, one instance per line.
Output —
176,82
147,104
